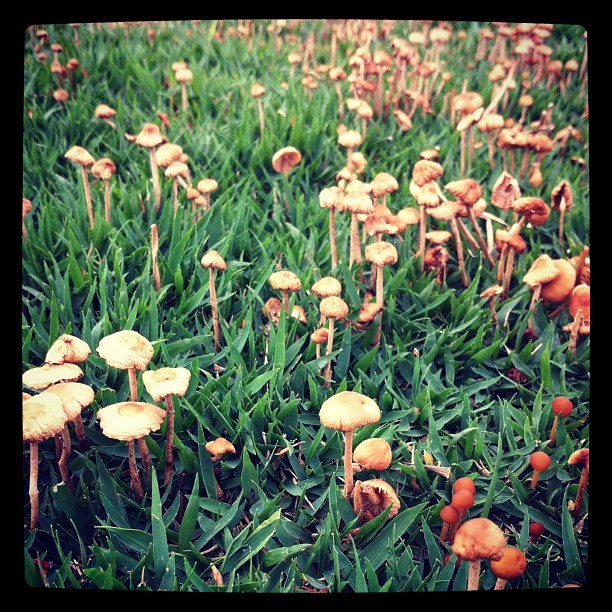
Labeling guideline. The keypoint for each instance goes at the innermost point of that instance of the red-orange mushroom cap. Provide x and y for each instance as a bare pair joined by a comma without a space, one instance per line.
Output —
462,499
539,461
512,564
562,406
449,514
536,530
464,484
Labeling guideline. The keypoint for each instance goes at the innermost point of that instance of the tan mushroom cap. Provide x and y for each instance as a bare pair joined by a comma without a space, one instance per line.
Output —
403,120
562,192
430,154
75,396
219,447
326,286
184,75
467,190
297,312
383,183
373,454
381,254
80,156
166,381
467,102
580,456
581,300
272,308
350,138
207,185
176,169
168,153
533,209
512,564
561,287
285,159
333,307
357,202
284,280
68,349
130,420
43,417
257,90
125,350
438,236
372,497
368,311
346,174
407,216
320,336
514,241
348,410
490,122
50,374
491,291
180,65
149,136
425,171
103,111
377,226
542,270
358,186
505,191
104,168
212,259
479,538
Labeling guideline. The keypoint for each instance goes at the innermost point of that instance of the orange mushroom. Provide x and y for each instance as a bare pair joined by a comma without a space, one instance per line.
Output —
539,461
561,406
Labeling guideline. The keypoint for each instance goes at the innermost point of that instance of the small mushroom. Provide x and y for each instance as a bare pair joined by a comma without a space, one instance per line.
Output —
580,310
539,461
332,198
562,199
162,384
346,411
491,293
213,261
350,139
257,91
477,539
462,500
357,202
580,457
50,374
104,169
83,158
372,497
105,112
535,531
43,418
372,454
179,173
150,137
332,308
450,516
542,271
285,281
217,448
183,76
206,186
512,565
319,337
561,406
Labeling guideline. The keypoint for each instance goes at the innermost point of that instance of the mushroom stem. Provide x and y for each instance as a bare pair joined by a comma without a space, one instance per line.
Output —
155,176
107,201
459,245
87,196
133,384
508,273
33,491
215,308
184,96
80,432
444,531
330,348
355,244
500,584
379,301
553,432
473,575
169,439
340,100
154,249
462,159
348,464
479,236
561,220
63,460
494,318
332,238
490,146
422,232
534,299
574,334
466,233
535,478
501,263
286,301
175,194
145,457
584,477
134,471
260,110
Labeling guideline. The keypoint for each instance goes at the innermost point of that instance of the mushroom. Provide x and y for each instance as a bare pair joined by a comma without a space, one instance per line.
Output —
580,309
505,191
285,281
162,384
462,500
560,288
105,112
372,497
539,461
357,202
336,75
491,293
206,186
561,406
490,123
562,199
535,531
129,421
217,448
509,244
477,539
50,374
26,209
350,139
580,457
83,158
332,198
154,250
372,454
450,516
103,169
129,350
467,103
257,92
283,161
183,76
178,172
346,411
67,349
319,337
150,137
213,261
512,565
542,271
326,287
43,418
380,254
332,308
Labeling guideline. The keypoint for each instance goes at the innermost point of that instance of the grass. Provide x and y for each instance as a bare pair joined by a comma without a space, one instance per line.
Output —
475,397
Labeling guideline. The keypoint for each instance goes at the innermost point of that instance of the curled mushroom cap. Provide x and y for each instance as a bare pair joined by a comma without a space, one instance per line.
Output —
68,349
467,190
427,196
125,350
104,168
562,192
271,309
74,395
103,111
51,374
333,307
368,311
405,217
505,191
347,410
320,336
561,287
372,497
149,136
285,159
533,209
207,185
130,420
542,271
212,259
425,171
167,153
327,286
381,254
43,417
219,447
284,280
80,156
512,564
166,381
580,456
373,454
357,202
479,538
